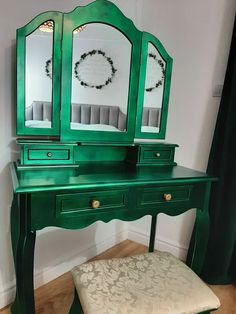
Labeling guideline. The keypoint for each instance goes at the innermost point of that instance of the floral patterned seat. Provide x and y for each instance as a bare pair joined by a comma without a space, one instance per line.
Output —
143,284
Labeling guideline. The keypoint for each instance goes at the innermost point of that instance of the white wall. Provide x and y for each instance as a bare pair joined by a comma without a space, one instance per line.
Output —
197,36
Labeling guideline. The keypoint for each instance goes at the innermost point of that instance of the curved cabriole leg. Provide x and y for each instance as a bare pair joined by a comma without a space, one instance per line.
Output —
23,242
76,307
198,244
199,240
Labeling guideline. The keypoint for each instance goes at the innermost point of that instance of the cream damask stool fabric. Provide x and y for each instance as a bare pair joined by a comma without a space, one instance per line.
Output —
151,283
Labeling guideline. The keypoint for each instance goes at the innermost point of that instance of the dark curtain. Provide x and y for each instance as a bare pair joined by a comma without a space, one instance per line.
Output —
220,262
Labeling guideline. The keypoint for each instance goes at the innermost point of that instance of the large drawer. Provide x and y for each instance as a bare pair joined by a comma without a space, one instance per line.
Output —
161,195
78,203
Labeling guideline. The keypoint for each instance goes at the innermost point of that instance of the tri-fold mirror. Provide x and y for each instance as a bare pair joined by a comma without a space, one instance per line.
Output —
90,75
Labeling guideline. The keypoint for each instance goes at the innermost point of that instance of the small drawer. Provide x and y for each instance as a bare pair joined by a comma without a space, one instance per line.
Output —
160,154
77,203
48,154
162,195
38,154
157,155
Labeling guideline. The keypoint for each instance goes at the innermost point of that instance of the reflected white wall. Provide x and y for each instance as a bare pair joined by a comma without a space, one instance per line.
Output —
38,86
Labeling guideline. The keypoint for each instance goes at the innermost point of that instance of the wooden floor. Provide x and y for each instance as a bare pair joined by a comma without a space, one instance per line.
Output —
56,296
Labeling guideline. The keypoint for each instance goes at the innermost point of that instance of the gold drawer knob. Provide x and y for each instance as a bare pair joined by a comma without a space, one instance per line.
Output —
49,154
95,204
167,197
158,154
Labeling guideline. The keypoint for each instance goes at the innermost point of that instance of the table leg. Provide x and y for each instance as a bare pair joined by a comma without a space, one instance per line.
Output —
23,242
199,240
76,307
198,244
152,234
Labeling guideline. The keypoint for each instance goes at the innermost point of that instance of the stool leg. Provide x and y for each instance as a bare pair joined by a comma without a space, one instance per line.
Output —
152,234
76,307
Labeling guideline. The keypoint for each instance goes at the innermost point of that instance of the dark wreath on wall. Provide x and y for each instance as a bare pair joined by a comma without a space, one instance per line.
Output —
160,63
89,54
48,68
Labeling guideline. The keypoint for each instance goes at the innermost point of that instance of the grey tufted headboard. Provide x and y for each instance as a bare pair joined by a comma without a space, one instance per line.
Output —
99,114
39,110
81,113
93,114
151,116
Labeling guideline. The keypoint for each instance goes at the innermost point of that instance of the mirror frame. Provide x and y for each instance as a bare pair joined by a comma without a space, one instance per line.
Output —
22,33
99,12
149,38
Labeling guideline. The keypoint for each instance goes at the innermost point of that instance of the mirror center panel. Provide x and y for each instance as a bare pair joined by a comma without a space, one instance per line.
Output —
100,70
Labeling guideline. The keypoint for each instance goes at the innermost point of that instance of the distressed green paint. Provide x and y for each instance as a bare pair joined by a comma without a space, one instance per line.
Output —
62,197
45,152
159,154
23,242
99,153
22,33
76,307
35,153
149,38
100,11
102,175
200,232
106,12
102,166
48,154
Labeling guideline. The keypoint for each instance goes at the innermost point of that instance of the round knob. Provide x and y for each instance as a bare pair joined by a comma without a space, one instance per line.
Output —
158,154
167,197
49,154
95,204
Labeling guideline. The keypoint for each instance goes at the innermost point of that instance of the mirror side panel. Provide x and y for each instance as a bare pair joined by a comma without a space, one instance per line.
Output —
39,75
154,89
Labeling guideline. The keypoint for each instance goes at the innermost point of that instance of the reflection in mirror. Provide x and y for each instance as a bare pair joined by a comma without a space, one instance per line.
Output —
154,87
38,77
100,72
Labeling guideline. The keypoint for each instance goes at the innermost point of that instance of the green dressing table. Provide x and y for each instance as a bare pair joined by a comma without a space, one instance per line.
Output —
79,162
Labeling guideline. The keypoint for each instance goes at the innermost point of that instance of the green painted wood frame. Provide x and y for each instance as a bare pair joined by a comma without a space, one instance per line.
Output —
149,38
22,33
100,11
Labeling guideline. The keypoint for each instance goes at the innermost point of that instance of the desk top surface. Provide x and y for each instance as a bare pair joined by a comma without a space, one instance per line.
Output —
101,176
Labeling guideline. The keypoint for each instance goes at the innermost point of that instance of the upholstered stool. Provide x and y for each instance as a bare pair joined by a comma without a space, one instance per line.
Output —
143,284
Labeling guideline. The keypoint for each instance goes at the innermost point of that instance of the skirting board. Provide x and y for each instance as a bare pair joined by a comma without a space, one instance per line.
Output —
160,244
46,275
